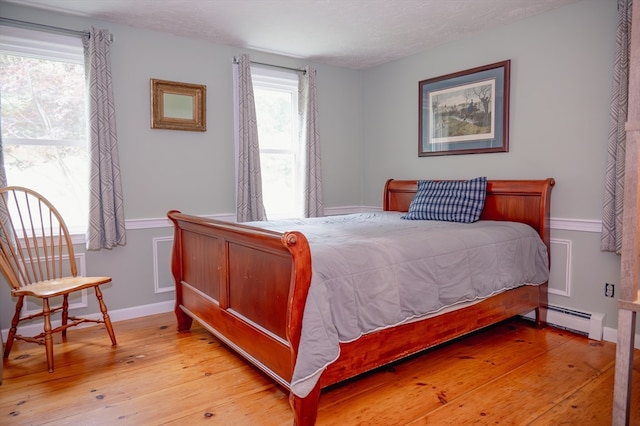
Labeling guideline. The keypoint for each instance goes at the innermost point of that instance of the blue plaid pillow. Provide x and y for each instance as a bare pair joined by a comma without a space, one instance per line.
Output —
451,201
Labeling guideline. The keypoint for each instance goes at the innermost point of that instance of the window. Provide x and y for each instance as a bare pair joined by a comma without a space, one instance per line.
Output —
276,99
44,120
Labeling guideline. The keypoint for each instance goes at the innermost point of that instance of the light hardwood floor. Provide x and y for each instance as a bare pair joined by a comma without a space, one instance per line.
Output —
509,374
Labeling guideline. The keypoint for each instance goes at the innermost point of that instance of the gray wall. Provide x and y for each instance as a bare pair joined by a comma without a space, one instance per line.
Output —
561,75
560,88
190,171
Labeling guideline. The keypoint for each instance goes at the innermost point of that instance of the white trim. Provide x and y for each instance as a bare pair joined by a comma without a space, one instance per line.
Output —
567,278
115,315
611,335
164,222
147,223
41,44
141,311
584,225
608,334
156,265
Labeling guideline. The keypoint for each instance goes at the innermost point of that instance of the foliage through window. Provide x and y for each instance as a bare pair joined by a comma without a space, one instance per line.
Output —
276,99
44,119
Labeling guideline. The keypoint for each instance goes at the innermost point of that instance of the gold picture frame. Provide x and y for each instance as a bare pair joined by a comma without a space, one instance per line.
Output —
178,106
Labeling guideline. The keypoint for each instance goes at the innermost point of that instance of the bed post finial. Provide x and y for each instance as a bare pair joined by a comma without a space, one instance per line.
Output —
290,239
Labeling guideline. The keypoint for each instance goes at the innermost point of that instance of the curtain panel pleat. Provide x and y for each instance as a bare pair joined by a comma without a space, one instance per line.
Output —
4,214
249,202
106,207
611,236
310,137
3,171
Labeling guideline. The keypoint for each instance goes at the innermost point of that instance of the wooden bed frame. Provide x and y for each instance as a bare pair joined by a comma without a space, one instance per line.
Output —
248,286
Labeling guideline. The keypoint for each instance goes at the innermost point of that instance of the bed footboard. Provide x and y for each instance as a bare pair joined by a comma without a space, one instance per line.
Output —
246,285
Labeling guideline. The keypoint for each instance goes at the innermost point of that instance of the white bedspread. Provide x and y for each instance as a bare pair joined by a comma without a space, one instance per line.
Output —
376,270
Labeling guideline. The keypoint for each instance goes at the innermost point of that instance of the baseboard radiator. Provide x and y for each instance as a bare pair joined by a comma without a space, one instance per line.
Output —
590,324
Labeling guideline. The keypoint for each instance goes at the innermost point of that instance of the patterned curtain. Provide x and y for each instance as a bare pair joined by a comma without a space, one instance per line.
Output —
249,203
106,208
313,204
611,237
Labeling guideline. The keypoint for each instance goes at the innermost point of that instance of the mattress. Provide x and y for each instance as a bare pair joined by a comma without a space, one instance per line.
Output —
371,271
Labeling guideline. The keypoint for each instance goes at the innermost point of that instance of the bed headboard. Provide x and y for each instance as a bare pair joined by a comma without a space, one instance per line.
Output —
527,201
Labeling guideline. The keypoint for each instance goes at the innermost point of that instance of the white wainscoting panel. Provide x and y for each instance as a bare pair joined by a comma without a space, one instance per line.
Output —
77,299
162,277
560,275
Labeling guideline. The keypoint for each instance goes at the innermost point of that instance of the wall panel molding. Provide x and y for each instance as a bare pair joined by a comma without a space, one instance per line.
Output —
77,300
584,225
565,224
162,277
560,279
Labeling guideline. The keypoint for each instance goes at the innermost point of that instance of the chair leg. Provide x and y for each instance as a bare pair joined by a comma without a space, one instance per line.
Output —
14,327
65,315
48,339
105,315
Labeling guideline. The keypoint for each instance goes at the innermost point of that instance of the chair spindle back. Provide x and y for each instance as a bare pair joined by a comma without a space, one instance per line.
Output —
35,244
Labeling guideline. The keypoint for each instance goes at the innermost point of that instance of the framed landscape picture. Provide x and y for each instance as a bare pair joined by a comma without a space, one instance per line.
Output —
466,112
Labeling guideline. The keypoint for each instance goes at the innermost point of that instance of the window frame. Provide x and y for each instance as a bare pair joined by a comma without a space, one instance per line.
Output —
287,82
49,46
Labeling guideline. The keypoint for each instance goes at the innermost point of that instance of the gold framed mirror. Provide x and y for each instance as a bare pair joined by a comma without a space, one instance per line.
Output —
178,106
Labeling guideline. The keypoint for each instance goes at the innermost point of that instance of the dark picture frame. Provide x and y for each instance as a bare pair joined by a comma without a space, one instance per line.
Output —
466,112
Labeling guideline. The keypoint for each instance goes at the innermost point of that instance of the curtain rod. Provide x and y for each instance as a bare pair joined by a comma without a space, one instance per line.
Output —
235,61
33,25
52,29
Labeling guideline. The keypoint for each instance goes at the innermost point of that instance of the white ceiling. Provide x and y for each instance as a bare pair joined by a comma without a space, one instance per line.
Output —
356,34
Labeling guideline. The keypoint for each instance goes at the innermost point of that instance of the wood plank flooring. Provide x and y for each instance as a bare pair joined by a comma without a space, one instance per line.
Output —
509,374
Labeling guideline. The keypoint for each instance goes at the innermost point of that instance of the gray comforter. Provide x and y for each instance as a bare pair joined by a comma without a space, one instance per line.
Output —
376,270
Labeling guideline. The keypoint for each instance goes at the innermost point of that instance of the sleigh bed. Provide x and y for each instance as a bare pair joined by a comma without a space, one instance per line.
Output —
249,285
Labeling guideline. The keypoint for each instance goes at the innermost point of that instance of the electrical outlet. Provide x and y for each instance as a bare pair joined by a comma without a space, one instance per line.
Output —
608,289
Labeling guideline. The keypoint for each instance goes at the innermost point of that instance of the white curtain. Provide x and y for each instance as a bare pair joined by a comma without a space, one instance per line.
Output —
4,213
611,236
106,209
3,172
313,204
249,204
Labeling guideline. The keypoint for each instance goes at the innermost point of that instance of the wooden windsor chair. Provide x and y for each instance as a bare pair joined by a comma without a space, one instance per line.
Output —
37,260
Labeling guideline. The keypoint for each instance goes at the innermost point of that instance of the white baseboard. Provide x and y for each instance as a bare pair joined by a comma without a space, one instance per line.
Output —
608,334
591,325
611,335
115,315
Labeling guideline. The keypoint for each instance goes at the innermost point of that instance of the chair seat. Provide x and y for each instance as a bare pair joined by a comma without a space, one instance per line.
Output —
59,286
